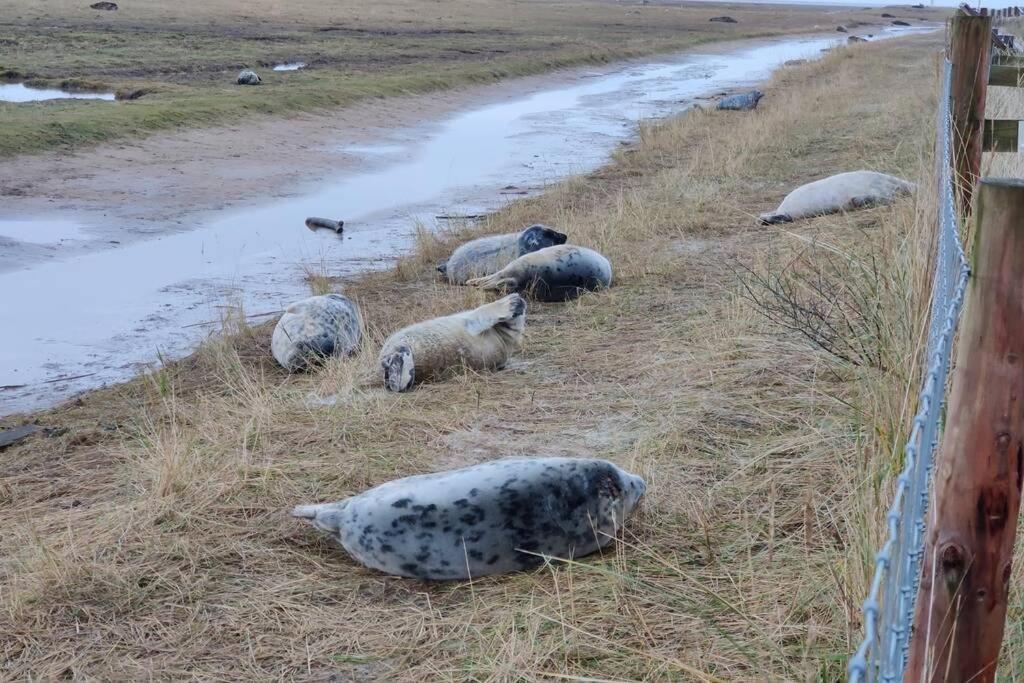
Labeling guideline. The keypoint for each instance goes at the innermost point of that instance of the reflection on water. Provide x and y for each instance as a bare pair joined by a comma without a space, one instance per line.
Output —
19,92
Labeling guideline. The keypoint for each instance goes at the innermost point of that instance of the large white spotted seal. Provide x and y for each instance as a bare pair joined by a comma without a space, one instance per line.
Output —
555,273
487,255
842,192
481,339
500,516
316,328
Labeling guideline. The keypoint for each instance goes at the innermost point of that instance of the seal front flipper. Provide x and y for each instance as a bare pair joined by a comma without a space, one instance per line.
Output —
510,312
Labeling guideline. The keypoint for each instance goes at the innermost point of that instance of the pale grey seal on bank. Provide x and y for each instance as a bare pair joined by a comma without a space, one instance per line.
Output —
482,339
316,328
487,255
552,274
842,192
500,516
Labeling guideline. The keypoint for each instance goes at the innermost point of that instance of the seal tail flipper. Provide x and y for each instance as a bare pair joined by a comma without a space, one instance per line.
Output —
399,369
494,282
306,511
510,312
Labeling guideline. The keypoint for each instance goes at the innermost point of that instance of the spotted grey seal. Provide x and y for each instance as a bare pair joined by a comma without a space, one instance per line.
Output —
555,273
486,255
316,328
482,339
842,192
248,77
496,517
741,102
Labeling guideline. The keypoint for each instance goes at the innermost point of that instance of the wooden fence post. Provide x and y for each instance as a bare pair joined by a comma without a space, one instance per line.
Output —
961,606
969,50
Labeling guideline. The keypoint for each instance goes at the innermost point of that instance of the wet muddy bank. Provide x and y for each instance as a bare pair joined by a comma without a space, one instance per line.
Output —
130,252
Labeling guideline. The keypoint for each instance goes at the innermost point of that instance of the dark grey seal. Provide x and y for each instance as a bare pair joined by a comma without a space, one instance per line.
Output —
490,254
500,516
741,102
248,77
314,224
314,329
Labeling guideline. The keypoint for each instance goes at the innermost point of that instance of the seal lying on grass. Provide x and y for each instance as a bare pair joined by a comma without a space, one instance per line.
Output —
843,192
486,255
496,517
316,328
482,339
552,274
248,77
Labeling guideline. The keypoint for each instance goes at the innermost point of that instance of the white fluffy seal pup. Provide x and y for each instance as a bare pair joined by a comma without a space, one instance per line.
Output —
482,339
487,255
500,516
842,192
316,328
552,274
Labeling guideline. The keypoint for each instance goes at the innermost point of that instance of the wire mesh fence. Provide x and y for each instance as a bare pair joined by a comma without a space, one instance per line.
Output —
889,608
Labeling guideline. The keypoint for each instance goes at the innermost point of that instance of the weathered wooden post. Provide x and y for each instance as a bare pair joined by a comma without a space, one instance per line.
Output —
961,606
969,51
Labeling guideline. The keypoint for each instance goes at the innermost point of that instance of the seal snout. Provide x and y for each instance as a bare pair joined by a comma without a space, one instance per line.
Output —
399,372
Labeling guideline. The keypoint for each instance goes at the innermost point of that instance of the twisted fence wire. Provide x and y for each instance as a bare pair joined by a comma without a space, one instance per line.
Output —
889,608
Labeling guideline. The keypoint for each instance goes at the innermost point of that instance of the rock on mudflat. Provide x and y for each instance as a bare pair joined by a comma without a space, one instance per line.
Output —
841,29
724,20
856,39
899,22
108,6
314,223
742,102
248,77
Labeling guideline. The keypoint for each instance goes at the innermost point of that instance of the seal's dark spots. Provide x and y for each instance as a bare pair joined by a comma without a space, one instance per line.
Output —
476,555
411,568
493,559
474,492
461,502
386,548
401,503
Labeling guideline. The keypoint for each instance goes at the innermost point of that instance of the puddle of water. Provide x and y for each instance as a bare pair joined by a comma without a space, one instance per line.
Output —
41,231
104,313
19,92
294,66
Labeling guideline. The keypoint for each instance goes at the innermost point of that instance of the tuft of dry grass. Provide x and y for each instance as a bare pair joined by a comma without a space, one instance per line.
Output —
151,540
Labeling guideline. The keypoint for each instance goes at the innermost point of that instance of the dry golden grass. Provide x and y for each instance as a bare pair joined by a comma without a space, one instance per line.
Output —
151,539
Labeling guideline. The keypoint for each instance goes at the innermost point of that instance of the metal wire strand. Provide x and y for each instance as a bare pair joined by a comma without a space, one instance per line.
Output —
889,608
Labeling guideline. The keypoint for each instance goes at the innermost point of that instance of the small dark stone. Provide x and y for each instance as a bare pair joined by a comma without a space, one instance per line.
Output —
886,15
724,20
898,22
108,6
841,29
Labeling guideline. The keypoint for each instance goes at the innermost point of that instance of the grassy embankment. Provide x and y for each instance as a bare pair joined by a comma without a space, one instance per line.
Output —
187,54
152,538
